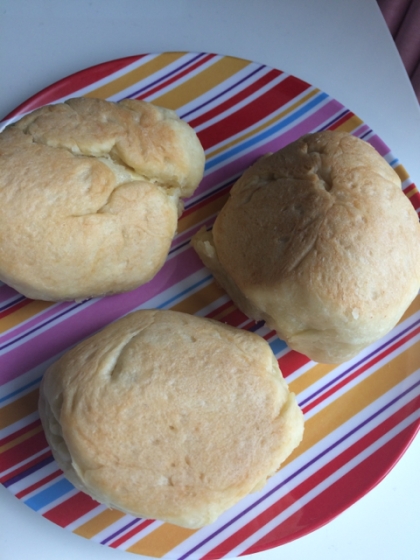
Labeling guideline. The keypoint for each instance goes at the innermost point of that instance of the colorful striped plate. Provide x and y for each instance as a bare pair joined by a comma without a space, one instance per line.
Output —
360,416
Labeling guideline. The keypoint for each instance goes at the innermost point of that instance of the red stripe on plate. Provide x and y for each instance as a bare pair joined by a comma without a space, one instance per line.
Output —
235,318
129,534
38,484
71,84
291,362
253,112
415,200
409,188
235,99
22,451
219,309
67,512
15,307
341,121
26,466
269,335
20,432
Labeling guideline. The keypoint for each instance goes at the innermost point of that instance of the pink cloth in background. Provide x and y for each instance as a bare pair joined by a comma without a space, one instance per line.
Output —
403,20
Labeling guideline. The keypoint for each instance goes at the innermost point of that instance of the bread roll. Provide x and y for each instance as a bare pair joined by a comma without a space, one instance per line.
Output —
169,416
90,196
319,241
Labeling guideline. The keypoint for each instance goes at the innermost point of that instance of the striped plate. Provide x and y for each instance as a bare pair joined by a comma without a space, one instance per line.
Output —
360,416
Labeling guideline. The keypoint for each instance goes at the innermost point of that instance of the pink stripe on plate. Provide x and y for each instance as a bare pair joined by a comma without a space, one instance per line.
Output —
379,145
361,130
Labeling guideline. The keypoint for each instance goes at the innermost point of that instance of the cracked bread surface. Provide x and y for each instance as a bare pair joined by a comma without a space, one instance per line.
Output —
90,193
319,241
169,416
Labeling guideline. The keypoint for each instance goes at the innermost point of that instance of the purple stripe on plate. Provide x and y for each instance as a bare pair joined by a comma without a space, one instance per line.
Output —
167,75
48,344
11,302
212,99
29,471
124,528
6,293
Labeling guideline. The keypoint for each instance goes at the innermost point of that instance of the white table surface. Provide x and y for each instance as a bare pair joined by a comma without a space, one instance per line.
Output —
341,46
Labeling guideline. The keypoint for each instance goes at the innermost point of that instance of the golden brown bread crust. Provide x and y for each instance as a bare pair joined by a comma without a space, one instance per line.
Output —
89,196
319,241
169,416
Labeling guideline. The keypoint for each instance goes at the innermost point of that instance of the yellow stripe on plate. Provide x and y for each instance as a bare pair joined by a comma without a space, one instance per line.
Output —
351,124
310,377
133,76
401,172
20,439
23,314
98,523
201,83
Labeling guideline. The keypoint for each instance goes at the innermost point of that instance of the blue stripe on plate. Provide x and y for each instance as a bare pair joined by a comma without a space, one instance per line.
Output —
53,492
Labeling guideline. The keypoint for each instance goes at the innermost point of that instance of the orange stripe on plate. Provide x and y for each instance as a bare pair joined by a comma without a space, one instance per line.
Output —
310,377
18,409
98,523
161,540
199,300
23,314
350,124
201,83
201,214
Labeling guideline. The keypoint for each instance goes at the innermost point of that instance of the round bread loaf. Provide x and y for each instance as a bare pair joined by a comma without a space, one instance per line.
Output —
319,241
90,196
169,416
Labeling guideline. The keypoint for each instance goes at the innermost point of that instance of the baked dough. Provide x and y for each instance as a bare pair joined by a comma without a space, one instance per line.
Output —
90,196
169,416
319,241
